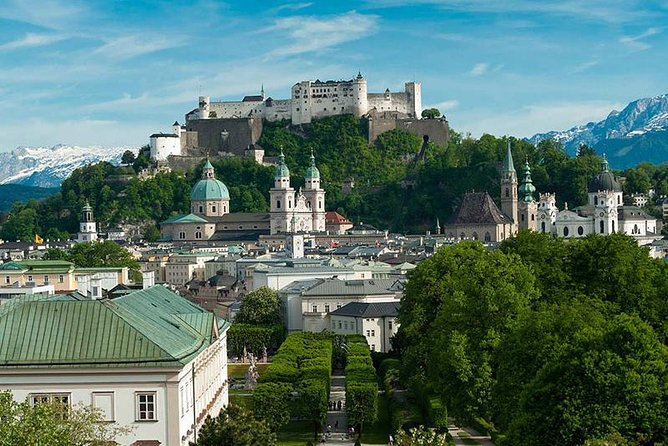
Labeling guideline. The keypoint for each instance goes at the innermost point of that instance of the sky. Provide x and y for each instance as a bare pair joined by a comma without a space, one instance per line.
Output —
111,72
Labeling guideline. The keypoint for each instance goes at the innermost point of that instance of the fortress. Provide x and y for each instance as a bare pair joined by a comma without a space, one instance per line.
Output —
233,127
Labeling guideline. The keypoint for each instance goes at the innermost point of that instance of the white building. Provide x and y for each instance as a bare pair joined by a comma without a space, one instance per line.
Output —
150,360
377,322
182,268
87,226
162,145
307,304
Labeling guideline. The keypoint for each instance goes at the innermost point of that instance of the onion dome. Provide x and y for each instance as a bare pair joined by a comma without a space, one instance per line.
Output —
281,169
527,189
312,171
605,180
209,188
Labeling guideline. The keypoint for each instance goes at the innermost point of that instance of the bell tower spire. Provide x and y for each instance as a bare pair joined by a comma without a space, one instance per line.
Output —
509,197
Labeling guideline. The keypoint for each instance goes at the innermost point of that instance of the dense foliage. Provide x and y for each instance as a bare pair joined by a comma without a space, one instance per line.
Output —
260,307
40,424
301,369
234,426
361,383
555,341
254,338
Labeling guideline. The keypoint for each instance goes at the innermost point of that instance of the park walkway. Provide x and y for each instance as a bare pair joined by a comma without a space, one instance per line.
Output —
459,433
337,392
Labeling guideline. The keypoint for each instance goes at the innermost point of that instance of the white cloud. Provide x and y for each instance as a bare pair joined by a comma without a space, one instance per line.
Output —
532,119
293,6
584,66
32,40
444,106
479,69
50,14
636,42
127,47
308,34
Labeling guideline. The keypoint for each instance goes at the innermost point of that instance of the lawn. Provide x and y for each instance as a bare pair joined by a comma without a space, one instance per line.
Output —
379,431
238,371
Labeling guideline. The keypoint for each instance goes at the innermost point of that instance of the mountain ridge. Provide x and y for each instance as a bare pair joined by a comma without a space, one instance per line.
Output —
637,133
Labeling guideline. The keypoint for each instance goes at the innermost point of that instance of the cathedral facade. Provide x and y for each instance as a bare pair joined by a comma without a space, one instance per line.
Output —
301,211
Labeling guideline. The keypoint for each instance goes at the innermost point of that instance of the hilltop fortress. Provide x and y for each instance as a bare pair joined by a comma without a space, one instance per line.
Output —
233,127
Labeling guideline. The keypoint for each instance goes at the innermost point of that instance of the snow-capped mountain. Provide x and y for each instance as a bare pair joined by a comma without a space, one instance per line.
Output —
48,167
637,133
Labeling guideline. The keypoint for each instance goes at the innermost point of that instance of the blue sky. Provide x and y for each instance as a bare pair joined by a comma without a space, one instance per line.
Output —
112,72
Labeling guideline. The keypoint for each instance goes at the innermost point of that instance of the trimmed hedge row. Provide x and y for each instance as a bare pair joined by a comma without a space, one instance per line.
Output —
255,338
361,382
297,381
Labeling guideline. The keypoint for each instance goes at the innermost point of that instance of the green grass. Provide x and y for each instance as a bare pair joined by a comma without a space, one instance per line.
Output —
238,371
241,400
379,431
295,433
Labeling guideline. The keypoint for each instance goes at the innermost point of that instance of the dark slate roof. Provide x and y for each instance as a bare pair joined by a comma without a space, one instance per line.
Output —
633,213
368,310
479,208
243,217
252,98
164,135
241,235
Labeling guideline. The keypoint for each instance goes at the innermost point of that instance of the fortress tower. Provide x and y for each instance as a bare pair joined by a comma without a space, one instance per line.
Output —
359,93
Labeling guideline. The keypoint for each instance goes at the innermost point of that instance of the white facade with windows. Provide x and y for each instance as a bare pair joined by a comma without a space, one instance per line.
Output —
377,322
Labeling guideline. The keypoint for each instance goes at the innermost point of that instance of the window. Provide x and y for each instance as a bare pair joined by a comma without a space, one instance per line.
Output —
565,231
201,209
601,226
61,401
198,234
368,333
507,193
46,279
61,278
389,325
345,325
105,402
29,278
542,227
373,347
182,235
7,279
326,308
278,204
146,406
580,230
596,200
532,217
340,325
373,332
613,225
315,308
338,306
213,209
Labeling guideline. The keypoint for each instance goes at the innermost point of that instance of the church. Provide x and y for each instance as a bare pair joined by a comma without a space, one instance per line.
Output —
301,211
479,218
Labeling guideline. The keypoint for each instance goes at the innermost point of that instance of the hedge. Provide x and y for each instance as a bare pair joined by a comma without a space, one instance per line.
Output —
361,382
255,338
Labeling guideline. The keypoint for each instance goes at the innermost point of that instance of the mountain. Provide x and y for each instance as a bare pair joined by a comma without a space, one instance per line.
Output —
48,167
10,193
637,133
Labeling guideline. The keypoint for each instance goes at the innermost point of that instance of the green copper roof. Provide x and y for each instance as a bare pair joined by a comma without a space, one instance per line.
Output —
12,266
281,169
209,189
184,218
527,189
147,328
208,164
508,165
312,171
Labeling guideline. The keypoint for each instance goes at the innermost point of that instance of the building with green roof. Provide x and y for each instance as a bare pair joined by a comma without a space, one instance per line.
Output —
150,359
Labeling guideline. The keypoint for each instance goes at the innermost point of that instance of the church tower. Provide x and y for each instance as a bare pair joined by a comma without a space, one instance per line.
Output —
315,196
282,198
87,226
528,208
509,188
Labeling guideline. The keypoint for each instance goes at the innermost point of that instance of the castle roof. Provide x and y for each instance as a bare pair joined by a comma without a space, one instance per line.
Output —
479,208
253,98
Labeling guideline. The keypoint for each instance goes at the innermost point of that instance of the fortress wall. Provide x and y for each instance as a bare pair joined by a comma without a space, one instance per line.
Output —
436,129
241,133
237,109
279,109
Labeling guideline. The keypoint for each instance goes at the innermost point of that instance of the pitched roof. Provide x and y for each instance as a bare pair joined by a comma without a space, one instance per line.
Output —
184,218
478,208
147,328
361,309
333,217
356,287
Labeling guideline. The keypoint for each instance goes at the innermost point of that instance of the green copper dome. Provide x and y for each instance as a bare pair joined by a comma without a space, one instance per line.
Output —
527,189
312,171
281,169
209,188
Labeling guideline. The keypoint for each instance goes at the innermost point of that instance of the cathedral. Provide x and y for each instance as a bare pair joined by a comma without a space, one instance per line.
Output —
479,218
301,211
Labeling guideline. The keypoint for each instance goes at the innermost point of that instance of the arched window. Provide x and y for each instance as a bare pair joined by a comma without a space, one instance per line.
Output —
565,231
475,236
213,208
488,237
595,200
619,199
613,225
601,226
278,204
635,229
201,209
462,236
507,193
198,235
522,217
532,217
542,226
580,230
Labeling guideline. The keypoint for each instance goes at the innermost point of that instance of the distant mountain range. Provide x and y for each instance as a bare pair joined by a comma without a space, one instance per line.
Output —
636,134
48,167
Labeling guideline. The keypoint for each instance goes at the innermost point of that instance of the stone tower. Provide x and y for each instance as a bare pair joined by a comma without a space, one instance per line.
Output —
528,208
509,202
87,226
360,98
315,196
282,198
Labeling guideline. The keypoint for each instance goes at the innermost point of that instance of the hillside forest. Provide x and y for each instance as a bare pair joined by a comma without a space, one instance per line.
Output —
392,190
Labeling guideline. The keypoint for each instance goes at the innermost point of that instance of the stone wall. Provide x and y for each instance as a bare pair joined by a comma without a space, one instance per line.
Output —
437,129
241,133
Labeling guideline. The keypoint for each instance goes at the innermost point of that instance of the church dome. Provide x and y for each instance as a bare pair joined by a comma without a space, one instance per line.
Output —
605,180
312,171
209,188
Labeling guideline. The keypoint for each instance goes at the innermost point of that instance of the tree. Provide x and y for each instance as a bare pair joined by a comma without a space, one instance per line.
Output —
271,404
100,254
40,424
612,380
234,426
55,254
431,113
457,306
128,157
260,307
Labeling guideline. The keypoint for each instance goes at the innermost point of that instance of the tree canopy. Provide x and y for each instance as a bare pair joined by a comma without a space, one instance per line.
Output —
234,426
260,307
